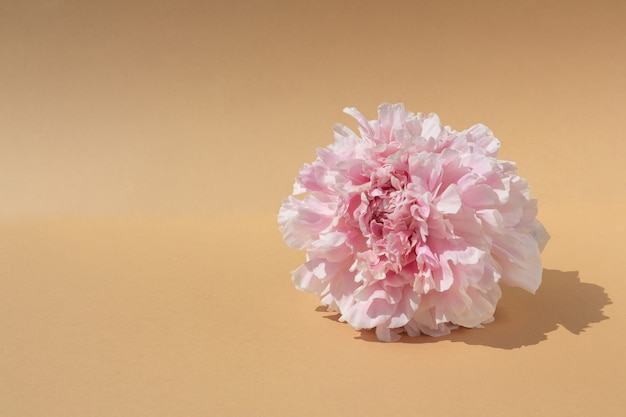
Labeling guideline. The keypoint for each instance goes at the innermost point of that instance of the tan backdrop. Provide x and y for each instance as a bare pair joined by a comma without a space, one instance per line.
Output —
145,148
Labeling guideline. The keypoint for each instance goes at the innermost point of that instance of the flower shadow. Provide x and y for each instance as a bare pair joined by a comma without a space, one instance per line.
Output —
524,319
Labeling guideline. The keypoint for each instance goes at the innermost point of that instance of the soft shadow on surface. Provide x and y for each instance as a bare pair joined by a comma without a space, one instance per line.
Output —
524,319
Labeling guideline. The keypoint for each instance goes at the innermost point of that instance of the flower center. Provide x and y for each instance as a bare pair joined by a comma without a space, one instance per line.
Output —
386,213
387,221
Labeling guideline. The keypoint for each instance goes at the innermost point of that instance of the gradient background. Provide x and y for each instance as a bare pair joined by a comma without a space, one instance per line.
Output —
145,148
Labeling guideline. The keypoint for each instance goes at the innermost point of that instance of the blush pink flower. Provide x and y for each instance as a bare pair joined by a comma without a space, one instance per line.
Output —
411,226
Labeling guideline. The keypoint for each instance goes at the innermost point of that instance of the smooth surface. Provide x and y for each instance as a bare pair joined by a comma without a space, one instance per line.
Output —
145,148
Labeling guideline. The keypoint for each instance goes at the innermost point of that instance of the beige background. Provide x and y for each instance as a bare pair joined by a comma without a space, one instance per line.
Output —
145,148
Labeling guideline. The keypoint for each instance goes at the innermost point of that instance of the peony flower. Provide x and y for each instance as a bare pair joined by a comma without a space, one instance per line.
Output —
411,226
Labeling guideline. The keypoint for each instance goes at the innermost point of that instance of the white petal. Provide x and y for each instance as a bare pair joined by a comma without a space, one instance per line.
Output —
449,201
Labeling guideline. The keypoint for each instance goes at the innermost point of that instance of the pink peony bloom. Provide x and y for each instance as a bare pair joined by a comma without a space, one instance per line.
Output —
411,226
